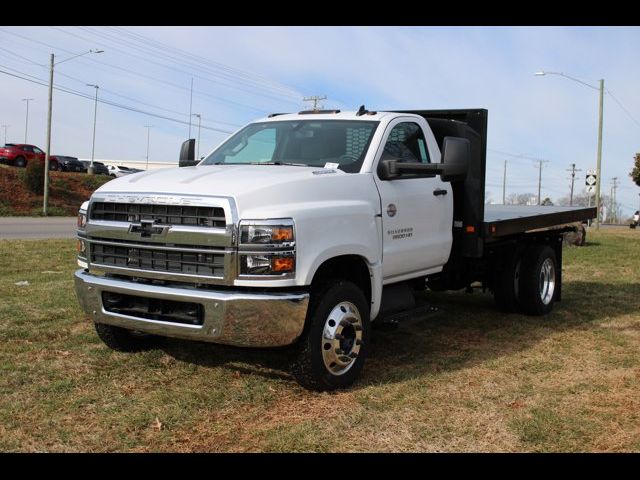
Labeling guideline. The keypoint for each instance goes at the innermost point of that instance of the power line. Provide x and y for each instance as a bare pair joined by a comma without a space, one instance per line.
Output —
111,92
141,75
622,107
107,102
103,36
182,54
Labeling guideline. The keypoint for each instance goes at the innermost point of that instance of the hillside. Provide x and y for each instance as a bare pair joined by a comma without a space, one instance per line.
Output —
67,191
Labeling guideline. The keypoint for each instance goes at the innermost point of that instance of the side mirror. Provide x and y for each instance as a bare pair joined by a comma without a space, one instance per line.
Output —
387,169
188,154
456,153
392,169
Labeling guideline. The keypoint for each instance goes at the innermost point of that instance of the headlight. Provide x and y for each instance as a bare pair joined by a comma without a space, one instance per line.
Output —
267,247
266,234
82,219
267,264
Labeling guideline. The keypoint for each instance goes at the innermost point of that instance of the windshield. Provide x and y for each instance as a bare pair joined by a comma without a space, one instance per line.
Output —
312,143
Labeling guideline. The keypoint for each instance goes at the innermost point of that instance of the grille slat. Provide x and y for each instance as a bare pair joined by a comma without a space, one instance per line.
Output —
209,264
161,214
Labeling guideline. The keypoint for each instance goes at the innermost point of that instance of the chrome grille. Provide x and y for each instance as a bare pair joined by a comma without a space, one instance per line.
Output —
207,263
160,214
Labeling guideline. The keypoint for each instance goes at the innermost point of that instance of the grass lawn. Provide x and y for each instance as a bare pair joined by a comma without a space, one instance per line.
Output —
466,379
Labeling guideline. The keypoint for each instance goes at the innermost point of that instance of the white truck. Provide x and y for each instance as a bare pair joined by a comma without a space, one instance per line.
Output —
304,229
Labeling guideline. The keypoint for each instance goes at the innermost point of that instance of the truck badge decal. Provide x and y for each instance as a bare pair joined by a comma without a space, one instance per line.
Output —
146,228
400,233
391,210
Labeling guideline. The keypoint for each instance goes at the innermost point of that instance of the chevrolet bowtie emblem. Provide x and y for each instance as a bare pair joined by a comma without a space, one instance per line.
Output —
146,228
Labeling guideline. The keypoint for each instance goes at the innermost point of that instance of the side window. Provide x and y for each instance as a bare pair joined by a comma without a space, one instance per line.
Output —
27,148
37,150
406,143
259,147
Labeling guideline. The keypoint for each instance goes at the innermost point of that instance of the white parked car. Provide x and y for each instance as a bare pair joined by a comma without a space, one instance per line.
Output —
120,171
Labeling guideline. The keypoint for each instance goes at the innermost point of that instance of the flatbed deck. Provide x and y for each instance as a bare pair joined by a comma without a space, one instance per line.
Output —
503,220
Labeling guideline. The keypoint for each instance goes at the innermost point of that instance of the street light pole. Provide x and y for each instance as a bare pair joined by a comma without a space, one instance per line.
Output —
95,115
148,127
45,200
599,157
5,132
26,122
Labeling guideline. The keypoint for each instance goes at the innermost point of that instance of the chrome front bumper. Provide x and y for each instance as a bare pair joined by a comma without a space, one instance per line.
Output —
230,317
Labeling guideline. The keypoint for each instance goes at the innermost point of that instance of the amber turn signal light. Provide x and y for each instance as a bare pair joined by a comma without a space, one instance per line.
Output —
282,264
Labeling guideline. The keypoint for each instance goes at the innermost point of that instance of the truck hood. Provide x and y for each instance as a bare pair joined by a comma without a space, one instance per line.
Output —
259,190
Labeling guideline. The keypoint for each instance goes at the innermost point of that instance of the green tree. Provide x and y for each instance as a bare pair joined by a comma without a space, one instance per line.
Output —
635,173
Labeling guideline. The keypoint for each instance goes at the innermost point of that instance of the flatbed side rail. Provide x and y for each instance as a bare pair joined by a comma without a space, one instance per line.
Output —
553,220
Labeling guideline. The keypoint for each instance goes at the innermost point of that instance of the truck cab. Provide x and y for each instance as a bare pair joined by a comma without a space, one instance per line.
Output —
301,230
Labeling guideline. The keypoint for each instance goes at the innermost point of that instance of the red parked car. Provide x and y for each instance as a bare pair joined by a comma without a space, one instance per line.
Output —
18,154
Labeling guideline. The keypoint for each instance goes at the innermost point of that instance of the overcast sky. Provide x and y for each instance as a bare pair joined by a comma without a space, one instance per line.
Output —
240,74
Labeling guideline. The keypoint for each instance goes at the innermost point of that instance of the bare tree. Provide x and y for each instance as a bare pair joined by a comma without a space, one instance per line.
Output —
521,199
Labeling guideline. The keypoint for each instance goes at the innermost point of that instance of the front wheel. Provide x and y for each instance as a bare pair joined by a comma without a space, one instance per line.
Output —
123,340
335,343
20,162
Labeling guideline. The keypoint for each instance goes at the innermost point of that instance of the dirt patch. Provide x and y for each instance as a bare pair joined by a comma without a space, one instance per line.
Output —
67,191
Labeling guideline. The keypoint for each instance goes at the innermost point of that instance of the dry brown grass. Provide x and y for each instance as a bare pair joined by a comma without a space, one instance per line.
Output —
466,379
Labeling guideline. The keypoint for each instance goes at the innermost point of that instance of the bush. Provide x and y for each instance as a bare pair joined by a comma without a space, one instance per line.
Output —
92,182
34,176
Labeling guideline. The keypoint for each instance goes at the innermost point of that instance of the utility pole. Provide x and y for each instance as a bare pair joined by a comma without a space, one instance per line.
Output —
599,154
198,142
614,188
315,99
45,200
148,127
190,107
573,171
540,162
504,183
5,132
26,122
95,114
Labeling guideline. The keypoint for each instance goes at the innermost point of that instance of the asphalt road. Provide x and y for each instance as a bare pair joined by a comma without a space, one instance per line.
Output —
30,227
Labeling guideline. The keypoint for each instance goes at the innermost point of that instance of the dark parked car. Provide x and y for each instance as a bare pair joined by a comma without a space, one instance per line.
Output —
98,167
68,164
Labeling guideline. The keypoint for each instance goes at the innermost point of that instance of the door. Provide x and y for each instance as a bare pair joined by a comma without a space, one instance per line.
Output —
417,213
28,152
39,154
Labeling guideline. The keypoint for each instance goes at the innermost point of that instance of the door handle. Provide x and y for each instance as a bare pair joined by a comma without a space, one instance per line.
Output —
439,191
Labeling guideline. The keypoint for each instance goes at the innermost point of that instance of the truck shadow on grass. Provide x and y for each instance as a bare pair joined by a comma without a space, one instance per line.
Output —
466,331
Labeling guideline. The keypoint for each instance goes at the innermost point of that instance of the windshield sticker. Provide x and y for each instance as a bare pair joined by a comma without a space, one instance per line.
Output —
331,165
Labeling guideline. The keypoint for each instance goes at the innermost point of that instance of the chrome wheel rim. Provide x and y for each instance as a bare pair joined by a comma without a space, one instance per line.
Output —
547,284
341,338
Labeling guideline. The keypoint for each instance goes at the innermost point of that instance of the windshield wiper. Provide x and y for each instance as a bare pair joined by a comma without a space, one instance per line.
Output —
280,163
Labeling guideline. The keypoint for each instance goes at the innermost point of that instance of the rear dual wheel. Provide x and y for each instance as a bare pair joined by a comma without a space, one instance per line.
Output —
527,280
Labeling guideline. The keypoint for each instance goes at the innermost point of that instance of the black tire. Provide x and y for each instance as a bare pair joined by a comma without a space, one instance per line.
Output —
20,162
123,340
506,281
531,300
309,367
54,166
